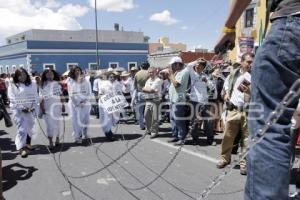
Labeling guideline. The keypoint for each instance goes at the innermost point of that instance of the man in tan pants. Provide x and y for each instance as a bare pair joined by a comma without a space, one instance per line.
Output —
237,94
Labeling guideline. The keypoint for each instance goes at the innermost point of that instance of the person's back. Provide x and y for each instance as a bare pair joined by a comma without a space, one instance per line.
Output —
140,79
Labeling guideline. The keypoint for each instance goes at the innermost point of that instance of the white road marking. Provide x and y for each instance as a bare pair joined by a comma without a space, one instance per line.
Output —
199,155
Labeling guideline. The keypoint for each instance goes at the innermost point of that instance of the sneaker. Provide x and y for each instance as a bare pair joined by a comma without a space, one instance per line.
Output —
179,143
143,128
173,140
294,196
243,170
221,164
23,153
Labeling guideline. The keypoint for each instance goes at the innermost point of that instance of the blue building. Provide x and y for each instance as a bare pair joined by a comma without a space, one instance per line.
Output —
36,50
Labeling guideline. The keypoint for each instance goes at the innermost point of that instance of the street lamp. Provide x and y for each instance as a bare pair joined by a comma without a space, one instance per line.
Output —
96,24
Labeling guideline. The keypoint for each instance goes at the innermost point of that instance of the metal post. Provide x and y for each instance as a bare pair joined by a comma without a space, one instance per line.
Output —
96,23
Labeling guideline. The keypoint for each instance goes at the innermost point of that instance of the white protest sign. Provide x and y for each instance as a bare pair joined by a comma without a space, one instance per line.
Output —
113,102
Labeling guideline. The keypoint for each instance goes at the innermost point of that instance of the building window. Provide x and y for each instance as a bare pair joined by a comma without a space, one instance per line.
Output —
49,66
71,65
93,66
13,68
1,69
113,65
249,17
7,69
131,64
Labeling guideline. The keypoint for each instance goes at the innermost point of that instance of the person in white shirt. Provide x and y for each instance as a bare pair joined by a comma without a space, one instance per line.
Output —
153,95
107,120
127,89
199,100
51,104
237,94
24,105
80,93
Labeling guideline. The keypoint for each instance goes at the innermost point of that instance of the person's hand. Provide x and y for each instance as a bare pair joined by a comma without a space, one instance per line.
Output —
204,79
170,71
226,41
298,111
25,110
246,89
226,98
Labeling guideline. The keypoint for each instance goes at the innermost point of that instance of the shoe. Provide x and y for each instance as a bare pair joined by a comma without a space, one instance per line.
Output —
195,140
179,143
23,153
51,147
136,123
143,128
221,164
57,142
173,140
111,138
294,196
153,135
148,132
243,170
211,143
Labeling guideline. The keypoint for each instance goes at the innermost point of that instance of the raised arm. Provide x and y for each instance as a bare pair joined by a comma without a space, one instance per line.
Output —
227,38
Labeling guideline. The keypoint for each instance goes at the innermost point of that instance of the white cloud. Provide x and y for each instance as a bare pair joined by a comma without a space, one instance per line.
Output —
184,27
22,15
113,5
164,17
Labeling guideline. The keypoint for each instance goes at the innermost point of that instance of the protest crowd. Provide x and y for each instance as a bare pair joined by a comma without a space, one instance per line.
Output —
195,99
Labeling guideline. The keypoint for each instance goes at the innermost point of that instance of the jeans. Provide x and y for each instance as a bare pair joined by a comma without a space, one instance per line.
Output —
275,69
139,110
202,111
179,122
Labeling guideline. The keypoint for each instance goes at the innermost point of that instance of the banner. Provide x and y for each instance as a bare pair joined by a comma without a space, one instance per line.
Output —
113,102
246,45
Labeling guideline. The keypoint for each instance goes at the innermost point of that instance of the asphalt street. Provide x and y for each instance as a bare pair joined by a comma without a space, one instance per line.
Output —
134,167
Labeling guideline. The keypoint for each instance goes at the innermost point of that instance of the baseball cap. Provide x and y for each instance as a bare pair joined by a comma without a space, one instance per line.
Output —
175,59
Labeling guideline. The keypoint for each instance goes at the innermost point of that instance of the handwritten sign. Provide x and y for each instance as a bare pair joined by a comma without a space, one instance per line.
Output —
113,102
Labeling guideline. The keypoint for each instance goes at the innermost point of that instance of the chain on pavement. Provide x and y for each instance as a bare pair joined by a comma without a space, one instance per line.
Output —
273,117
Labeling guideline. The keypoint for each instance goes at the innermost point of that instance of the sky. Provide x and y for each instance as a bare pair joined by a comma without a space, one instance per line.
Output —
196,23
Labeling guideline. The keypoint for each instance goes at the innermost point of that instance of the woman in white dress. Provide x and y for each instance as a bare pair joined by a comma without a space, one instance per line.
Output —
108,120
51,104
24,104
80,94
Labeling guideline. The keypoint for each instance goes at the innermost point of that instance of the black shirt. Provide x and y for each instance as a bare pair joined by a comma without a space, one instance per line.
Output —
282,8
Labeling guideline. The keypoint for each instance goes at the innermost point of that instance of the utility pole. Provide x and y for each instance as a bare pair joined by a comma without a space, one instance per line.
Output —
97,48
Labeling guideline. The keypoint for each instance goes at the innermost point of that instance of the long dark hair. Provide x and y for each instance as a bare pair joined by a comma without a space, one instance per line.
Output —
72,72
44,78
18,73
